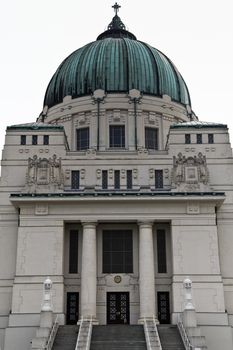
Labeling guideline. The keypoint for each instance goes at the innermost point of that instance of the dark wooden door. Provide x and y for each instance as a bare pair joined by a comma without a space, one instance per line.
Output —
72,308
163,307
118,308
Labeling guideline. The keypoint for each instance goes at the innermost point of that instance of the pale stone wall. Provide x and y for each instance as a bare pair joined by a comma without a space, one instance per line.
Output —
34,242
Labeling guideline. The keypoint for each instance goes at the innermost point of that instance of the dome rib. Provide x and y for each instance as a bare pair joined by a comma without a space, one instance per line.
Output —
116,64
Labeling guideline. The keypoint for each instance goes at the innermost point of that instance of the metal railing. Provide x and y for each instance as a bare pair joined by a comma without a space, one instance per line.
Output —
88,341
148,340
52,335
89,335
184,336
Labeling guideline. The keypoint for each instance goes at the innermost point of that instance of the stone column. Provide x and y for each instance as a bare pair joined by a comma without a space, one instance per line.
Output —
146,271
88,273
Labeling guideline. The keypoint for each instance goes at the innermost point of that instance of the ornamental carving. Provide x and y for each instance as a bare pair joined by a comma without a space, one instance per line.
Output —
44,175
190,173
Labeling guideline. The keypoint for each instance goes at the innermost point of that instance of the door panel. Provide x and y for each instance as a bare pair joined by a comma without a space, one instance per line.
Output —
118,308
72,313
163,307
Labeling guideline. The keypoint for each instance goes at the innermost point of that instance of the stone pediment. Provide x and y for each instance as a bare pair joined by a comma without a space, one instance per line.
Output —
190,173
44,175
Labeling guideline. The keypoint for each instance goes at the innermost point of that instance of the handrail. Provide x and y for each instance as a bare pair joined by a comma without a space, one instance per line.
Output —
157,333
76,347
88,342
148,336
184,336
52,335
89,335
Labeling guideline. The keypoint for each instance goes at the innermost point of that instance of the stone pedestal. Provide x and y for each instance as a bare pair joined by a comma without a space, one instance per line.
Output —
42,333
88,274
189,318
146,271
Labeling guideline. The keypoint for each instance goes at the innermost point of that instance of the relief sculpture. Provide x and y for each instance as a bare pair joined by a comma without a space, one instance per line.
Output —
44,175
190,173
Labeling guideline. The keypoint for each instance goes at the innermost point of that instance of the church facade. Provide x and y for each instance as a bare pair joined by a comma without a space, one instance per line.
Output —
118,193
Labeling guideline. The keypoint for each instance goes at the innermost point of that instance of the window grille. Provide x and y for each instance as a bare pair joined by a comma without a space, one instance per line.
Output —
210,138
129,180
151,138
199,138
46,139
82,139
104,179
161,251
117,251
73,252
117,184
34,139
75,179
158,178
117,136
187,138
23,140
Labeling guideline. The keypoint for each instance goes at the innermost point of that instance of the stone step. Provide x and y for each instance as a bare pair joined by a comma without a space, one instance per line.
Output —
170,337
66,338
116,337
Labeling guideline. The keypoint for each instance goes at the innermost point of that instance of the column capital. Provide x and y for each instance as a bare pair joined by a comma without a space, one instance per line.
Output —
87,223
145,223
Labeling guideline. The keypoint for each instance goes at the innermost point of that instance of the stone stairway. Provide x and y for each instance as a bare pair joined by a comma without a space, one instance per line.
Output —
66,338
117,337
170,337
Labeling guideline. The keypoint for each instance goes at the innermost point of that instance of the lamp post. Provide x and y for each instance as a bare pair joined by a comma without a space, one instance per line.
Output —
47,295
188,294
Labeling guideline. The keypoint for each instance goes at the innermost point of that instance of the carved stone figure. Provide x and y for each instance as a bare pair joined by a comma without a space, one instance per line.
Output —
190,174
44,175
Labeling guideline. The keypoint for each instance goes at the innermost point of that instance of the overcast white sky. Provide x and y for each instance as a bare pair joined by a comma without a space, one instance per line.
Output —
36,35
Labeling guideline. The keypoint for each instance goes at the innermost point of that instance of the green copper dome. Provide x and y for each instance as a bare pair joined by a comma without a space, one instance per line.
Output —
116,62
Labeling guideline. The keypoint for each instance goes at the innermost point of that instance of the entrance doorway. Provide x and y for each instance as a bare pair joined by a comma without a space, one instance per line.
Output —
163,307
118,308
72,310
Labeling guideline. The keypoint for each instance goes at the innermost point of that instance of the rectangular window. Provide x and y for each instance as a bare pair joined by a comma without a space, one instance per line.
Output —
158,178
210,138
117,251
46,139
199,138
82,139
34,139
151,138
117,136
117,180
104,179
73,252
75,179
23,140
187,138
161,251
129,180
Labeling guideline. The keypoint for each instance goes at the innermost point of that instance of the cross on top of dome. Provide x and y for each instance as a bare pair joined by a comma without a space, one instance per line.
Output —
116,29
116,8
